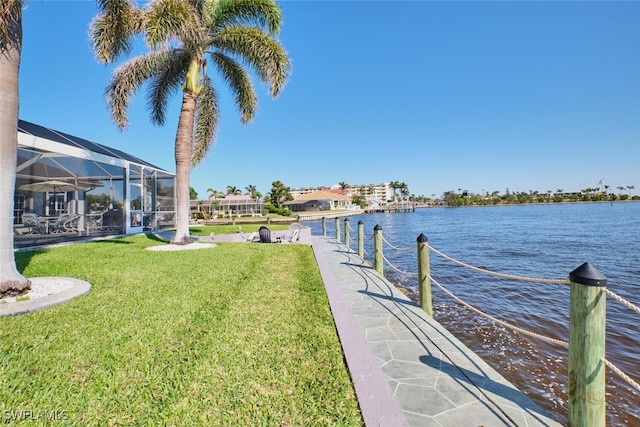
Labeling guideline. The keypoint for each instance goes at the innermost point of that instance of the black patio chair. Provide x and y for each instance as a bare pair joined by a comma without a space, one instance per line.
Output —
265,234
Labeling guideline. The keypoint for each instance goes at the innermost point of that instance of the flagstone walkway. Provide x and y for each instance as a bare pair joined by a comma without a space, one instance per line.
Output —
407,369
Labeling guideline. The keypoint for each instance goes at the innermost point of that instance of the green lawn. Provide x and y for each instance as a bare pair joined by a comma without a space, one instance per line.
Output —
240,334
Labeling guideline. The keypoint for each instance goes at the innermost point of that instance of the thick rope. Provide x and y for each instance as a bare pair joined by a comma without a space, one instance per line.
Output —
397,269
624,376
622,300
398,249
501,322
504,276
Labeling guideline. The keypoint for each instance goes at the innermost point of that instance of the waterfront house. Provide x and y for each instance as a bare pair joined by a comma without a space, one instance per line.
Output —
242,205
321,200
94,189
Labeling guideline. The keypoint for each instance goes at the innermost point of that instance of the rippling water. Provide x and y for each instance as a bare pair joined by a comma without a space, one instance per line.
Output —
541,241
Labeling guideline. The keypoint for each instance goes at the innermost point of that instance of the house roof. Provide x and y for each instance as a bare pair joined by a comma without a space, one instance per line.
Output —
28,128
319,195
239,200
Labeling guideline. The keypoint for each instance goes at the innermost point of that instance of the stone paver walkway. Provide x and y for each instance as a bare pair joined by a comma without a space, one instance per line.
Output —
407,369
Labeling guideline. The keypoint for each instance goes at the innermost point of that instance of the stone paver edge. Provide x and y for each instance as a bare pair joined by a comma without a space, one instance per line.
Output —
377,401
80,287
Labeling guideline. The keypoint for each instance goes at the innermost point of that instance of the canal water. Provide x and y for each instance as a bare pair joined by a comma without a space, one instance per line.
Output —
539,241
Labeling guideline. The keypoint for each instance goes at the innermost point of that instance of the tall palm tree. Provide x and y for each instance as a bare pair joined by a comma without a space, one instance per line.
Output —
11,281
182,35
213,194
394,185
233,190
251,190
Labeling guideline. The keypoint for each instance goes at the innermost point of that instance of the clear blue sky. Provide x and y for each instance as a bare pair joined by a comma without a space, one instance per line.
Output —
440,95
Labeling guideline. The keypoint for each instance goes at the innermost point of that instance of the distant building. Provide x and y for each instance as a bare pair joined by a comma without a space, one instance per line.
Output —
320,200
374,204
240,205
380,191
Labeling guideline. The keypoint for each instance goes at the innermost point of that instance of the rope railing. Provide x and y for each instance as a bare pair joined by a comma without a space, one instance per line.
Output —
408,248
561,343
622,375
397,269
622,300
501,275
587,284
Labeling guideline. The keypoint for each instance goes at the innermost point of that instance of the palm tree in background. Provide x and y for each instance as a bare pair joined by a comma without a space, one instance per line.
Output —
213,194
11,281
182,35
252,190
233,190
394,185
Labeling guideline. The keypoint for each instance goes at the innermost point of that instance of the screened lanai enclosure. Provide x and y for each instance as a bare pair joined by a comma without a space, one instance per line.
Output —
69,188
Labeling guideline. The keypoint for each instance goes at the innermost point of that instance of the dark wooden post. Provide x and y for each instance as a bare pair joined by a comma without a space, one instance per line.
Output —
587,330
377,250
337,229
347,238
324,226
424,271
361,239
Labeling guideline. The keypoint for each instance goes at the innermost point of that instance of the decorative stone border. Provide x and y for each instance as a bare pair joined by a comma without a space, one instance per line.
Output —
46,292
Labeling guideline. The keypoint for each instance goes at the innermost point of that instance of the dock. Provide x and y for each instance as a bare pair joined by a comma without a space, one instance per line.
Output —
407,369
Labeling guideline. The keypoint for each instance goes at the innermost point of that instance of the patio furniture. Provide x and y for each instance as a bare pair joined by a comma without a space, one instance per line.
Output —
251,237
71,224
56,225
35,223
293,238
265,234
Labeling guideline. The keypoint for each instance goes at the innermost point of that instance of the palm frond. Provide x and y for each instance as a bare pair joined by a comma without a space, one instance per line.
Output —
10,24
259,50
165,19
240,83
112,31
170,73
264,13
206,121
126,80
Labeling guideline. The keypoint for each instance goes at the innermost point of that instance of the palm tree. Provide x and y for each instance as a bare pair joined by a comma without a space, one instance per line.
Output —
233,190
394,185
343,185
251,190
630,187
11,281
213,194
182,35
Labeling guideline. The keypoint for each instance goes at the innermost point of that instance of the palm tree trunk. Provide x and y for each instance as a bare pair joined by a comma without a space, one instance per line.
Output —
184,154
11,281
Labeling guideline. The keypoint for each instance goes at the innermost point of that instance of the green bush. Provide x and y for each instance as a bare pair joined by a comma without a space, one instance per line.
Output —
279,211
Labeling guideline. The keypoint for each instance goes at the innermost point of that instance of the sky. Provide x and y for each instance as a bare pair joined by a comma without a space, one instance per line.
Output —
441,95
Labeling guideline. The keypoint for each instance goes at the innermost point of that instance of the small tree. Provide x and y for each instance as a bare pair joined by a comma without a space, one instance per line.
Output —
193,194
279,194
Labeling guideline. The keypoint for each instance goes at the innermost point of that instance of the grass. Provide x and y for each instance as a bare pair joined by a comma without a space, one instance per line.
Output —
230,229
235,335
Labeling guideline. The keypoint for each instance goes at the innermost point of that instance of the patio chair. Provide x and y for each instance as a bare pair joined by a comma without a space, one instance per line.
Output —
34,222
71,224
265,234
251,237
294,236
57,225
